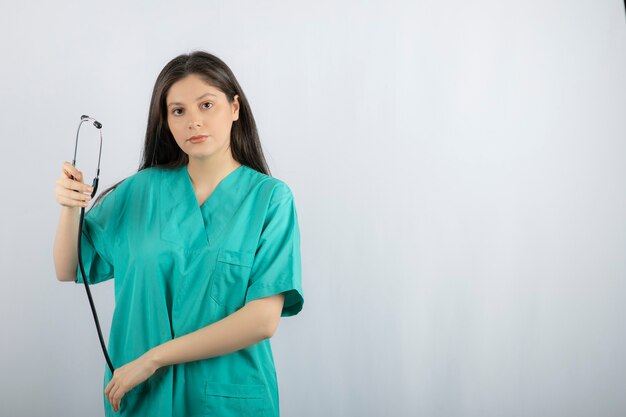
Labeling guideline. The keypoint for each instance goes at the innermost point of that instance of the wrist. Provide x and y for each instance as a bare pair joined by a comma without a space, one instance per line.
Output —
153,357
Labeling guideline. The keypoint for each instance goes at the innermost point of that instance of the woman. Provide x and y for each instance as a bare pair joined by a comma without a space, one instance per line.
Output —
204,246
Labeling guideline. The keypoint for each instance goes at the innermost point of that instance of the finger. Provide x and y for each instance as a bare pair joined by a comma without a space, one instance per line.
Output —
73,195
112,388
112,395
62,191
67,195
75,185
119,402
71,202
108,395
108,387
117,398
71,171
112,402
72,198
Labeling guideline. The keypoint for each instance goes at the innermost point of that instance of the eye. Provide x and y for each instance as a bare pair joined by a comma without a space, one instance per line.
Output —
208,102
174,112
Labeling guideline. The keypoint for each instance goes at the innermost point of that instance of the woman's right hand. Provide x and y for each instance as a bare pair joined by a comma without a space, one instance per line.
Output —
71,192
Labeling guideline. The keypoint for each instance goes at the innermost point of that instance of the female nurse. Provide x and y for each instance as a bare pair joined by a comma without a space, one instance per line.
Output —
204,248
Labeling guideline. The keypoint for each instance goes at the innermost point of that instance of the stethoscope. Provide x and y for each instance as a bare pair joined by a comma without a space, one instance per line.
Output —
94,184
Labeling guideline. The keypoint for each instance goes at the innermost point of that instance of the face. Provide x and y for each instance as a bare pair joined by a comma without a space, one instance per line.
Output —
195,108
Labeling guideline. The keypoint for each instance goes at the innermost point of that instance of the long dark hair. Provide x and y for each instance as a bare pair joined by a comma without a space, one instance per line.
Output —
161,150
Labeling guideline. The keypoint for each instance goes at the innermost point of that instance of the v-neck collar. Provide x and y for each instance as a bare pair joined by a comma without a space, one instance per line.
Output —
199,225
220,185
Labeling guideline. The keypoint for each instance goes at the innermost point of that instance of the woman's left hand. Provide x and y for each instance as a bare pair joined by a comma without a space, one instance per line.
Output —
127,377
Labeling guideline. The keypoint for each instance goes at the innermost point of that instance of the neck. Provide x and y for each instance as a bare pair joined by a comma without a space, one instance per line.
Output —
206,173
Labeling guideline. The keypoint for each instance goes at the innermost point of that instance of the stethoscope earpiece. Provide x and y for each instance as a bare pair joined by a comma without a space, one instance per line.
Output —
96,123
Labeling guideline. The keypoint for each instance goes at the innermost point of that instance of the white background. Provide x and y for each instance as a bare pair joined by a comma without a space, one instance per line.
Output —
458,170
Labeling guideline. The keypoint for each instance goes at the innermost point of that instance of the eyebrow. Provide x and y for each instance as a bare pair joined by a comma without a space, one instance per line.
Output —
199,98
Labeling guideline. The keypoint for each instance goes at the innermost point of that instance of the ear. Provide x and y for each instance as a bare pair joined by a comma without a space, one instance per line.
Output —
236,107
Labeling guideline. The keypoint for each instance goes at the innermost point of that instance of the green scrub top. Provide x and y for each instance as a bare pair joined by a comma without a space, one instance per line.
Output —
179,267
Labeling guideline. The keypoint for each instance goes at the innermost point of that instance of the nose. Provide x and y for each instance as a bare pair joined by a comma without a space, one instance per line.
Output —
194,123
195,120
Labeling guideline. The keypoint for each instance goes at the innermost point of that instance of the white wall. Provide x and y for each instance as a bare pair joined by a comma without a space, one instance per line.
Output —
459,174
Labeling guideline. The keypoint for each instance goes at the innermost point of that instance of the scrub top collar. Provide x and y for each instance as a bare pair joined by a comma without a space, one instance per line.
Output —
182,211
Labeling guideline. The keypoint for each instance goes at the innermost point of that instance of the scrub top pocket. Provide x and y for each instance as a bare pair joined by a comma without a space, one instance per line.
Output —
230,277
236,400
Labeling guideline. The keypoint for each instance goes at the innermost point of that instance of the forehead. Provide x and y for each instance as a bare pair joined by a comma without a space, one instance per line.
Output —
191,88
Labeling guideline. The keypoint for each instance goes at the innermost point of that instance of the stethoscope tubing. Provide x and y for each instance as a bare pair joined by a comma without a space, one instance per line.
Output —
98,125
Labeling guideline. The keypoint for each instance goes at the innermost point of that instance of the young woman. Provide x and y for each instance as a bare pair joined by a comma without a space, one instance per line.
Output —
204,246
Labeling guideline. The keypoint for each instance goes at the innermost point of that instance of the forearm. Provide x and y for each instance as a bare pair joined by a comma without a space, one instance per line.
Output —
243,328
65,252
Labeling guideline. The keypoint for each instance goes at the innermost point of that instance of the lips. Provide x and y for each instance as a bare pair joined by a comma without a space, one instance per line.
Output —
197,137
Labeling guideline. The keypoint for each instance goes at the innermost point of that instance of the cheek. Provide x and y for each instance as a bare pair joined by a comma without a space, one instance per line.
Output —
175,127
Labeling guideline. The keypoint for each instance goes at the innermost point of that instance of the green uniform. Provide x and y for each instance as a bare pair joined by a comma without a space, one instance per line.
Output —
179,267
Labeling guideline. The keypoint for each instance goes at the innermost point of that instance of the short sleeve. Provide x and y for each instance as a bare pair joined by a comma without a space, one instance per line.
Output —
97,241
277,266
